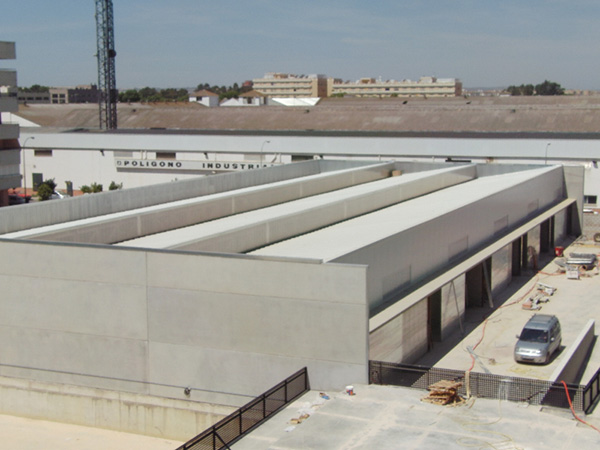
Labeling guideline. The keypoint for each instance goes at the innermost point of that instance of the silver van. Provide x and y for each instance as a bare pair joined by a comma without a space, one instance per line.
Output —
539,339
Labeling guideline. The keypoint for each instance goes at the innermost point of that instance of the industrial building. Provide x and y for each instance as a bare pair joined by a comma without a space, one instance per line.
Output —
9,132
190,297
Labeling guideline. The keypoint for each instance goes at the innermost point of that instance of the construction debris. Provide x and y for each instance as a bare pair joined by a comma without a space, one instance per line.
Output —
444,392
299,420
533,303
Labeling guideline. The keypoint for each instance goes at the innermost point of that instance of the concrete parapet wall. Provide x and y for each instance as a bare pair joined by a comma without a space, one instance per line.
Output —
199,208
304,219
52,212
432,245
575,355
122,411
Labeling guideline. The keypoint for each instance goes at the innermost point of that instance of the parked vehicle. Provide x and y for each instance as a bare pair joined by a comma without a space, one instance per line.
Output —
539,339
56,195
15,199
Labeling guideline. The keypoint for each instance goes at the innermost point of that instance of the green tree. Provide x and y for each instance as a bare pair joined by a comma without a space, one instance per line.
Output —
549,88
115,186
35,88
91,189
524,89
46,189
130,95
147,93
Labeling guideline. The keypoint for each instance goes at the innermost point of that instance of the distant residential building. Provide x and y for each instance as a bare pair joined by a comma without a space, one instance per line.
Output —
10,157
77,94
205,98
425,87
252,98
289,86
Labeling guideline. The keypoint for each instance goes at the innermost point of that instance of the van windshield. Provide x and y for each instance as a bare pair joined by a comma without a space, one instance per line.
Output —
530,335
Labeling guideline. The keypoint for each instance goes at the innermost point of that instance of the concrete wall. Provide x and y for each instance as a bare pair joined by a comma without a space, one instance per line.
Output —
570,369
99,408
453,306
591,225
560,227
533,248
156,322
501,269
402,339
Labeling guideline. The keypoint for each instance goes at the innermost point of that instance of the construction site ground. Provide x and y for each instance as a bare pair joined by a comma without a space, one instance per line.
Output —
489,335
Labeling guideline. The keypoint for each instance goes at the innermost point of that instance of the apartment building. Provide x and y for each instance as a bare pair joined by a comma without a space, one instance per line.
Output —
425,87
9,133
289,86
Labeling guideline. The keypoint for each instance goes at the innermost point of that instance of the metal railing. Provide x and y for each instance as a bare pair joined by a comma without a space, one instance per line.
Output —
233,427
537,392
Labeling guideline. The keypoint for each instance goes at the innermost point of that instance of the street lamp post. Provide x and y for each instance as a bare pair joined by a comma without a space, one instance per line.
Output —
261,151
546,153
25,169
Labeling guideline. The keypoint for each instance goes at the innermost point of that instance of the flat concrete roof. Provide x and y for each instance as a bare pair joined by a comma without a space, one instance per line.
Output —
386,417
300,209
332,242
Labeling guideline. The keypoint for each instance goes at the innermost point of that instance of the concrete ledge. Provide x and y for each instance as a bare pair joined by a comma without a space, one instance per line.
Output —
575,355
120,411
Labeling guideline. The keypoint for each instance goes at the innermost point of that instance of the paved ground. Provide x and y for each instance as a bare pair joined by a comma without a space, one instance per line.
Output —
574,303
27,434
385,417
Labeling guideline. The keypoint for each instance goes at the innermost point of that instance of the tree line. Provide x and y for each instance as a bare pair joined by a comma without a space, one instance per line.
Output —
545,88
149,94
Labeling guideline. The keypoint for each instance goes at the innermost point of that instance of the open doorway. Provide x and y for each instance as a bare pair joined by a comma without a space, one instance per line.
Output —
434,318
478,283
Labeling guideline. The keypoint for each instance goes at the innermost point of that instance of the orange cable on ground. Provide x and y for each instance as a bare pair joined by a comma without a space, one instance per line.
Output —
573,411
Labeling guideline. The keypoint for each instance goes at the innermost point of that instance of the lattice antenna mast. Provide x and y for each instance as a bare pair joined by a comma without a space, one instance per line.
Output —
107,83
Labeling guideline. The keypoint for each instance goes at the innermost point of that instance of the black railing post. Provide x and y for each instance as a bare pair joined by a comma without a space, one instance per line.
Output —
264,403
285,391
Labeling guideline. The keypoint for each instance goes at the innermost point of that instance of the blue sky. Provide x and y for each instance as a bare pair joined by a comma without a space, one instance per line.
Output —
181,43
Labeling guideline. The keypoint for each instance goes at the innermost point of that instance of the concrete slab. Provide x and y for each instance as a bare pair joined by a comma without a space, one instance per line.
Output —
386,417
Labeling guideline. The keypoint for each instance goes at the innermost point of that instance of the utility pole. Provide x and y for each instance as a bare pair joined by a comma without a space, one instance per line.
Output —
107,84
